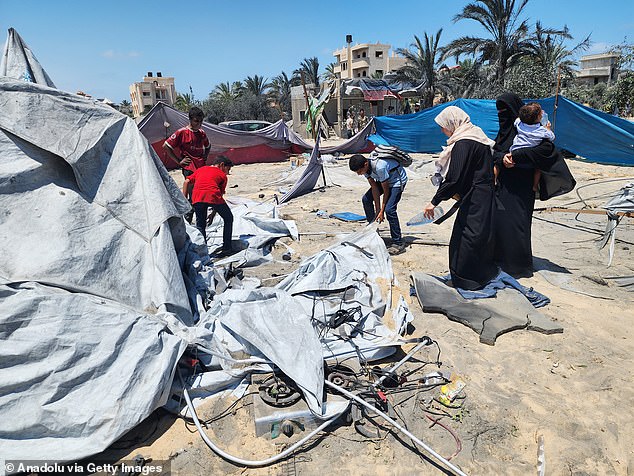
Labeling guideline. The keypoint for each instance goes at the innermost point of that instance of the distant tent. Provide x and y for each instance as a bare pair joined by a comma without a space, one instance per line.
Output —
271,144
19,62
591,134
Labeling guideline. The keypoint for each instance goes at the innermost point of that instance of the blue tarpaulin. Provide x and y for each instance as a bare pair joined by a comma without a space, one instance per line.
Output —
591,134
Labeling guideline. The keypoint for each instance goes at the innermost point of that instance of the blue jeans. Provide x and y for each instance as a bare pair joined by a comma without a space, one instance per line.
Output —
390,211
224,211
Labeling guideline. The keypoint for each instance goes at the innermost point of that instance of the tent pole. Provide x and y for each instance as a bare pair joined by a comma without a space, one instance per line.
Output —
556,97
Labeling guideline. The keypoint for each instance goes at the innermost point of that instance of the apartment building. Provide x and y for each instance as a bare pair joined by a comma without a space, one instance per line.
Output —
366,60
144,95
595,69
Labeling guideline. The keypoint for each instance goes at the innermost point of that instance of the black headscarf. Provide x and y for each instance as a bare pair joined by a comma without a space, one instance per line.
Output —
508,106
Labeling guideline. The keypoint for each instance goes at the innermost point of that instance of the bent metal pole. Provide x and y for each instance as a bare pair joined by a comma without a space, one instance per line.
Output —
453,468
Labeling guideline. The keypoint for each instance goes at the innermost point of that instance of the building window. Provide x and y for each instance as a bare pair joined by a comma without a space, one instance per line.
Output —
302,116
364,74
364,55
344,66
146,93
379,54
358,56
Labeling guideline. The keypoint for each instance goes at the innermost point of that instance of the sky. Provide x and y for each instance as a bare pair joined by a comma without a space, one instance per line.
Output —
102,47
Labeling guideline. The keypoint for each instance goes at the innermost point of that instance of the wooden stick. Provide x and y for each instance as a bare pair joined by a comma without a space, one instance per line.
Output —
556,98
584,211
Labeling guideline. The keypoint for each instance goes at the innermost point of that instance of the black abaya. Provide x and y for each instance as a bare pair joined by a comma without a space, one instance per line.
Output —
513,250
470,175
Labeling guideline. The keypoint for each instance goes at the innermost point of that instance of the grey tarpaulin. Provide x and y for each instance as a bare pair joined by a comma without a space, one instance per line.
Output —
90,234
19,62
254,223
309,178
275,324
90,201
77,371
354,271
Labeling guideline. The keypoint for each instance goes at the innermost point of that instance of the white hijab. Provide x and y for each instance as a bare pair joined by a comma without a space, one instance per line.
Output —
458,122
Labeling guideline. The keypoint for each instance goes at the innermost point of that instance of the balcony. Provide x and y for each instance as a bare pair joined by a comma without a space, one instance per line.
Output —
360,63
603,71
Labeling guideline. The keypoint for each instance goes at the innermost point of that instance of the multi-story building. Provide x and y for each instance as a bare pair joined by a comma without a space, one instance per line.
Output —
366,60
144,95
595,69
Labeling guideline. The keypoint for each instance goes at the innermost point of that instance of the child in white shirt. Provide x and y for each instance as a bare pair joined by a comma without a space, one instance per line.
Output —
530,132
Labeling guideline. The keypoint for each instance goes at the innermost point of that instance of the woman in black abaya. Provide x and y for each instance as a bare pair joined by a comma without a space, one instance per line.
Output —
467,166
513,251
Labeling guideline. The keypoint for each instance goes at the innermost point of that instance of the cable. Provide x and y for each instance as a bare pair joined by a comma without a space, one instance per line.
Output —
245,462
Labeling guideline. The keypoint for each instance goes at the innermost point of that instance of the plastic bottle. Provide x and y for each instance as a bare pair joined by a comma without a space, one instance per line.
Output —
420,219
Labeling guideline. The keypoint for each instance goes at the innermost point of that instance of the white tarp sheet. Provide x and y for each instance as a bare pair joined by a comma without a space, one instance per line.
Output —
86,213
87,199
77,371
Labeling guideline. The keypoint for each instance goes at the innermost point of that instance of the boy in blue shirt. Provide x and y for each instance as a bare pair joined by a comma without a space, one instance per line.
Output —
387,179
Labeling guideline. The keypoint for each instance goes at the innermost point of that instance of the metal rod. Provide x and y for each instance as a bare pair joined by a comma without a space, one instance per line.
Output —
403,430
400,363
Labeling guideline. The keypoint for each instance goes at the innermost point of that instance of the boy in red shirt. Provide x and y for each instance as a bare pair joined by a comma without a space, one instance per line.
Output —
209,185
192,142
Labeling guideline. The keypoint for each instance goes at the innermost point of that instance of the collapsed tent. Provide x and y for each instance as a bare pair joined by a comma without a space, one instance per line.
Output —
90,240
272,144
98,296
591,134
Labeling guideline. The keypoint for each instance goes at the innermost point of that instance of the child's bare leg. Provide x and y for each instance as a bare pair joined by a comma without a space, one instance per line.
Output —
536,177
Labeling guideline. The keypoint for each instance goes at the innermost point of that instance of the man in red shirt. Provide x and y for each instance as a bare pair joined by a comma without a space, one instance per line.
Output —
192,142
209,185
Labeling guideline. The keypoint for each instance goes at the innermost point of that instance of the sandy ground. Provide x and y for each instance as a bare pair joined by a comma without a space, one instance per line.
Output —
573,389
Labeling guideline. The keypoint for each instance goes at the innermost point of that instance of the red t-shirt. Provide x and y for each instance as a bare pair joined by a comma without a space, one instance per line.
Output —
209,185
192,144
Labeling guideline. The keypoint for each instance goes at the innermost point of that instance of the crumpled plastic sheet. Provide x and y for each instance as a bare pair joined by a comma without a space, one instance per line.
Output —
355,271
273,325
256,225
78,371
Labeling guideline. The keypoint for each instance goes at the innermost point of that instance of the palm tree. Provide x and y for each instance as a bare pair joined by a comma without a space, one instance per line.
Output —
329,74
238,88
280,91
310,68
225,92
184,102
256,85
422,60
549,51
508,35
